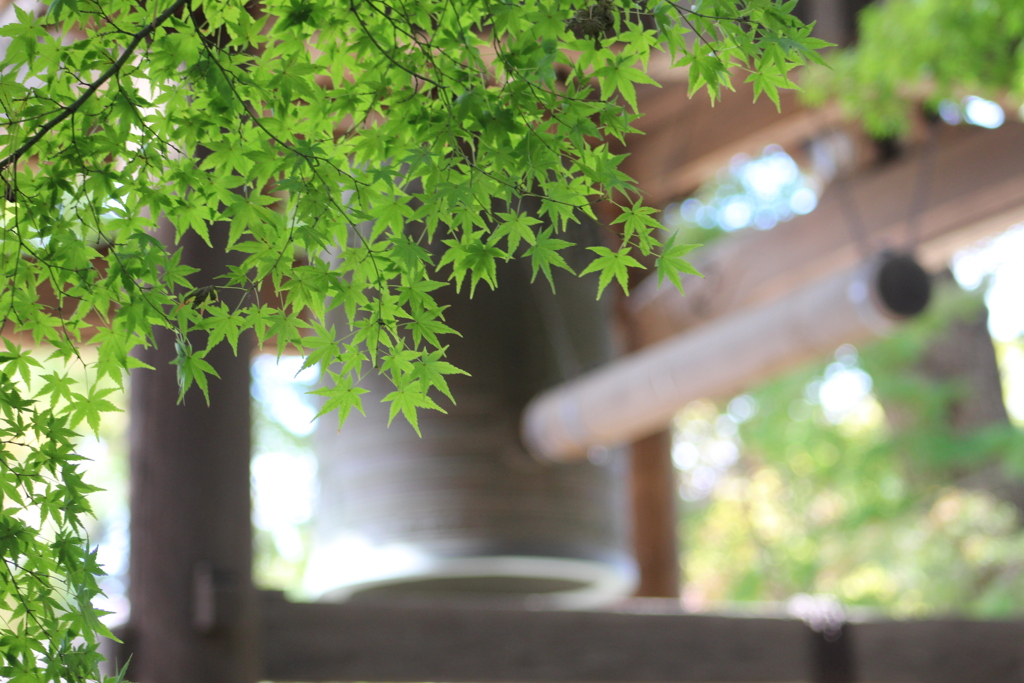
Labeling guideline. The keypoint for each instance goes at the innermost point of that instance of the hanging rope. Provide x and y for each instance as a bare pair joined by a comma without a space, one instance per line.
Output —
854,221
922,186
832,158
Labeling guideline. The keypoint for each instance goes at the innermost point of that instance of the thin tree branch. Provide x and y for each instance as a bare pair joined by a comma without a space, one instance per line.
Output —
137,38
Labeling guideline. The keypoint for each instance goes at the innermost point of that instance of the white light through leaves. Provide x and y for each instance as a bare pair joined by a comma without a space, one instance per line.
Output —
757,192
284,494
283,474
736,214
803,201
283,484
707,444
1000,261
982,112
842,390
281,386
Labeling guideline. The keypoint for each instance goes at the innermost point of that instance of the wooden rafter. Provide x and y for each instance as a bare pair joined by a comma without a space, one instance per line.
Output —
976,188
686,141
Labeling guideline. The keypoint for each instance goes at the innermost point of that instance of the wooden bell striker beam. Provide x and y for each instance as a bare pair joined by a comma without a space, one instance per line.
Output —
638,394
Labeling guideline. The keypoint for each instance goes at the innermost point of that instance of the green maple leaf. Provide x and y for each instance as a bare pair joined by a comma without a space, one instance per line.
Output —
19,360
638,220
430,370
362,174
399,363
426,325
417,294
481,261
620,74
473,256
611,264
671,262
544,254
88,407
220,324
408,255
321,346
341,395
192,368
515,227
57,386
407,397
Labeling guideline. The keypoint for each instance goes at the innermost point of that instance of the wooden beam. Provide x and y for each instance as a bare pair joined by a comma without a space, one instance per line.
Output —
687,141
976,188
940,651
646,640
637,395
380,642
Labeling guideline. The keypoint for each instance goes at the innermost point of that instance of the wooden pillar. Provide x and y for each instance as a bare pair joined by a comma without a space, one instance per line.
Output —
655,528
194,615
835,20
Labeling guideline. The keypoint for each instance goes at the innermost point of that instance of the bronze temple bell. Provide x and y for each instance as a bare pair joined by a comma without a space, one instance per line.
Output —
465,511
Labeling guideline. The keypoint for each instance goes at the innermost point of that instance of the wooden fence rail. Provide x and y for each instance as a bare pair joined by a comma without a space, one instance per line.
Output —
393,642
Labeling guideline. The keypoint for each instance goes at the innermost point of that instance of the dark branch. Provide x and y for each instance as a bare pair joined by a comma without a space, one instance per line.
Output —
91,90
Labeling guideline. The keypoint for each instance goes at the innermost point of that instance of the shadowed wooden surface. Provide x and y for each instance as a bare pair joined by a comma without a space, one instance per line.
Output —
686,141
940,651
644,640
362,642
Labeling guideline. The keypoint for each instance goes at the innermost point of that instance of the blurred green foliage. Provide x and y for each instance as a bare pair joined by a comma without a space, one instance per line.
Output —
875,513
913,50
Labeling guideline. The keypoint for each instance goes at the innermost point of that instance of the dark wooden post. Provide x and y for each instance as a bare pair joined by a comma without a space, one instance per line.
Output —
655,532
193,608
834,20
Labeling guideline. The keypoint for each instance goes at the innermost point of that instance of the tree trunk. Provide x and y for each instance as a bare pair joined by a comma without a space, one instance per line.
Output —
963,355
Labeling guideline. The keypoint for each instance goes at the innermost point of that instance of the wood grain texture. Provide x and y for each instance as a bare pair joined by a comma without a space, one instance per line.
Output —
977,187
940,651
392,642
362,642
